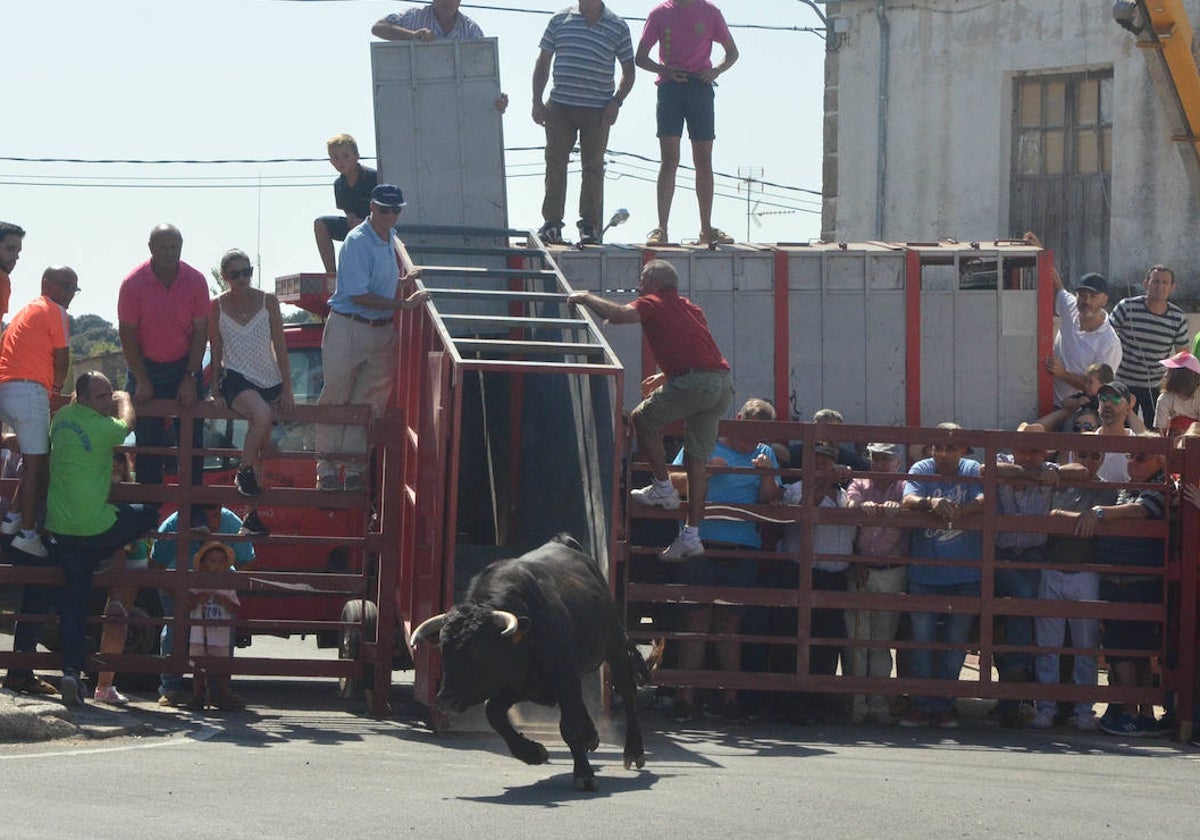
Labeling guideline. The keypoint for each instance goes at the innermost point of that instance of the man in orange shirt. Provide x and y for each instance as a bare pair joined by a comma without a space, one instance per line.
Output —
11,237
34,355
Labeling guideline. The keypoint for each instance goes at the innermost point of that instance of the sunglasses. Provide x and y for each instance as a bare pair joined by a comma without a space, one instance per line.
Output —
1115,399
1089,456
1085,426
240,273
379,208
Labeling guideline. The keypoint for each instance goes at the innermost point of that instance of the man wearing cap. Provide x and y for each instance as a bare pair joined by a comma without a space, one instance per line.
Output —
1085,333
878,546
1151,328
934,486
1116,404
358,346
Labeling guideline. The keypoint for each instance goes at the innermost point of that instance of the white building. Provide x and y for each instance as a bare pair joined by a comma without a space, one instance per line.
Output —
980,119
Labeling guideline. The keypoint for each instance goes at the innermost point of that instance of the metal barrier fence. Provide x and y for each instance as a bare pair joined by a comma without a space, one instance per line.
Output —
307,579
777,609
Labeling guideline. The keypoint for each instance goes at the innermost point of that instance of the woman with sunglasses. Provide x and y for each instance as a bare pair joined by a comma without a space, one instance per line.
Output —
250,360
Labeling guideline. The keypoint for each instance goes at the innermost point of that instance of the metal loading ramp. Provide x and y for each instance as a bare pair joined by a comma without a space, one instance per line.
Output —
516,401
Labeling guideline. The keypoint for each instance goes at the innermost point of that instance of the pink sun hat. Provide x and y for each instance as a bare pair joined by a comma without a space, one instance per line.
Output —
1182,359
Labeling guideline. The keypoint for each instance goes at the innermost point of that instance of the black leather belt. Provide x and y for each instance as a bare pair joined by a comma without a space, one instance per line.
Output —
883,566
370,322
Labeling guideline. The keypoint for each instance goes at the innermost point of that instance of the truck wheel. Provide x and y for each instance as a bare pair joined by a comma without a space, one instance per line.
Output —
365,614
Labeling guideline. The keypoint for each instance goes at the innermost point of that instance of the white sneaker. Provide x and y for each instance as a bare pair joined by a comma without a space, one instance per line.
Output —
652,496
10,526
111,696
31,543
683,548
1044,719
1086,721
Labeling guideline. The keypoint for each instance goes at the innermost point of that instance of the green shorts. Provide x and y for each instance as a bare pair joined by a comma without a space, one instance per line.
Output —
700,399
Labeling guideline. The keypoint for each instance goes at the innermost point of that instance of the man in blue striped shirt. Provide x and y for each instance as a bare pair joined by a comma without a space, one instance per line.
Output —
583,41
1151,328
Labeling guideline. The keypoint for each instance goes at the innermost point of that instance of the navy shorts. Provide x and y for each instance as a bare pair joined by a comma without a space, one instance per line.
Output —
338,226
724,571
1120,634
233,383
690,102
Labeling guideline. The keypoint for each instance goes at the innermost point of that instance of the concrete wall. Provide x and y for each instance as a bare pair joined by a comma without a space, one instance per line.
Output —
949,106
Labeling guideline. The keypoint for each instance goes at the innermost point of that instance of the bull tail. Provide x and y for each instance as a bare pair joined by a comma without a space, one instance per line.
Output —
567,540
637,665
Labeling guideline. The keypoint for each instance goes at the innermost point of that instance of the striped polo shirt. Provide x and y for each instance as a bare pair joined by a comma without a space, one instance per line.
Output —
1146,339
584,73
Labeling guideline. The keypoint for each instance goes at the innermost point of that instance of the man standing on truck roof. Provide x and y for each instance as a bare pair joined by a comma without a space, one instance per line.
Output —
1151,328
685,31
1085,333
440,19
11,237
583,41
358,345
162,310
695,386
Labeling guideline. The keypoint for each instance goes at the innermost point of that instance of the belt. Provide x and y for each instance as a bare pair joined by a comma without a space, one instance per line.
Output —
883,566
1130,579
370,322
1015,553
699,370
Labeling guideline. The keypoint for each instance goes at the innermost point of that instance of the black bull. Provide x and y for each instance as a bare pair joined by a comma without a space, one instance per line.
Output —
528,630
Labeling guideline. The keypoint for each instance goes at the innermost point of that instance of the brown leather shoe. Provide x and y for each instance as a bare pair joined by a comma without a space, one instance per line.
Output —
29,685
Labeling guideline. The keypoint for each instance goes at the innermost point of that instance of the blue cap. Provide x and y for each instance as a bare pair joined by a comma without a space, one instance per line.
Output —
1094,283
388,195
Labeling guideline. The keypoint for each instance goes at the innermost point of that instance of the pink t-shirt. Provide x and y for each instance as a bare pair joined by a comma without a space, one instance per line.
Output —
163,315
685,34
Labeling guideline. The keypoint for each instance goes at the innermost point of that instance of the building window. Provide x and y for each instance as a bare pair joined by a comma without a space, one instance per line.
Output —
1062,164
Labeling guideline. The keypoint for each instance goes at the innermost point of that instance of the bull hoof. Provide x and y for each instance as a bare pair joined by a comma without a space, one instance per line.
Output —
586,784
593,743
531,752
639,760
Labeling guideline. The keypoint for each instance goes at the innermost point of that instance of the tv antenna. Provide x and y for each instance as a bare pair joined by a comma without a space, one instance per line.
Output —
750,182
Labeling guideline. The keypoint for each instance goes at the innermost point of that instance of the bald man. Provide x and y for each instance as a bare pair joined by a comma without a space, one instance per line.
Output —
162,310
34,355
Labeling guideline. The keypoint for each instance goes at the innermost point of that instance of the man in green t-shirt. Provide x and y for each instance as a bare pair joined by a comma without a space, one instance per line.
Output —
83,526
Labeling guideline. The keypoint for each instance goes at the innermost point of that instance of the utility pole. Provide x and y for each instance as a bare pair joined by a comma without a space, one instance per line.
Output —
750,181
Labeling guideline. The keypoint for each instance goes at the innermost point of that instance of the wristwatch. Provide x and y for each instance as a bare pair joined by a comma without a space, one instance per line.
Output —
1098,512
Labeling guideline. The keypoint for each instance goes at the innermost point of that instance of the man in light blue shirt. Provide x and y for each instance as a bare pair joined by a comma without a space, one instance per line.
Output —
358,346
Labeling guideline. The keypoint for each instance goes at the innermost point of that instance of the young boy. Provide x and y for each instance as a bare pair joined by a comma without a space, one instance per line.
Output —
352,194
1095,377
218,605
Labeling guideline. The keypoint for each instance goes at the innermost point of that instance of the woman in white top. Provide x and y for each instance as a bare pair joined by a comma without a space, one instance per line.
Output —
250,358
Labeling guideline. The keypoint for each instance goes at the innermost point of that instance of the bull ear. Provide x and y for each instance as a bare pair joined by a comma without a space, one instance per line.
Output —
430,627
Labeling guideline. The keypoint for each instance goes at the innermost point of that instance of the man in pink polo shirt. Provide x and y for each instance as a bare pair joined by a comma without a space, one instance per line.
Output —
163,310
685,31
34,356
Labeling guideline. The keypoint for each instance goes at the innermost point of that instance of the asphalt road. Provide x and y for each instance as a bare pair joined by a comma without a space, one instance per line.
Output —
302,764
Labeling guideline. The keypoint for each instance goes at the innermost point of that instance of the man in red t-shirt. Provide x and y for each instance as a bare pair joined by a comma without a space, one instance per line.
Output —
34,355
695,386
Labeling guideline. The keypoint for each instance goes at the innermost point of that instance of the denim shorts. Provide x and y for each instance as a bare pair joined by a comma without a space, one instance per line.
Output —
233,383
690,102
26,407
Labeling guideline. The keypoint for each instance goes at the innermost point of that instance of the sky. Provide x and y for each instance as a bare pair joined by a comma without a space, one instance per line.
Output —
169,80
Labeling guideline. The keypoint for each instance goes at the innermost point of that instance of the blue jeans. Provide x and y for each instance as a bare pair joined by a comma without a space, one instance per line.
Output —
79,557
152,431
166,643
36,599
1018,630
956,630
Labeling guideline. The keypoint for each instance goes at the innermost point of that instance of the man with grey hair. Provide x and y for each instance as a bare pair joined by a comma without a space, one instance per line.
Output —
695,385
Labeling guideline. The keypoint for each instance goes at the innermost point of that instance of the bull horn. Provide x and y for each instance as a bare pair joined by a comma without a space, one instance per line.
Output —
428,627
506,621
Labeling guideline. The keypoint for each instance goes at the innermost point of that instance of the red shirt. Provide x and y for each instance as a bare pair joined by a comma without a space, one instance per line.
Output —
162,314
27,350
677,333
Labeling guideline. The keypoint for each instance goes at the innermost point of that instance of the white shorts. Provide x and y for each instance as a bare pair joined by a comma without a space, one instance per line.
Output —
26,407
